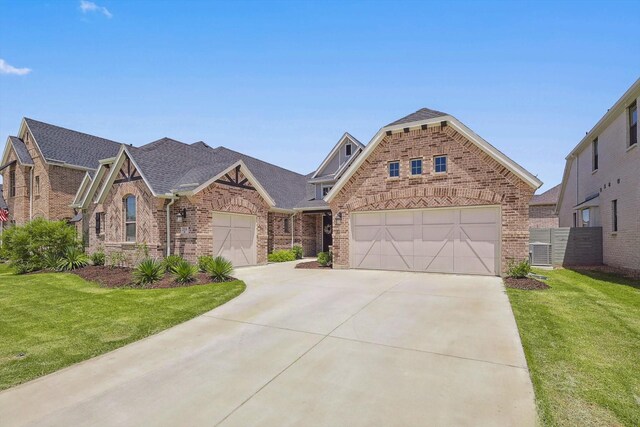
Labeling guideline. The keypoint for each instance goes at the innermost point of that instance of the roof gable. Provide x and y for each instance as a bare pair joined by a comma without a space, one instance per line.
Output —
549,197
336,158
420,115
21,150
70,148
489,149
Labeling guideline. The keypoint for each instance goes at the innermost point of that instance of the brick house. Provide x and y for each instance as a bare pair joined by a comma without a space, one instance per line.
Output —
542,209
426,194
601,183
43,166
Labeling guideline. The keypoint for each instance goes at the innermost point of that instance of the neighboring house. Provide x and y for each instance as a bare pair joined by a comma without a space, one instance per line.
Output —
542,209
426,194
601,183
43,167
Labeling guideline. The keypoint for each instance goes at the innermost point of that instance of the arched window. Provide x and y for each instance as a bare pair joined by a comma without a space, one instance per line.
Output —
130,218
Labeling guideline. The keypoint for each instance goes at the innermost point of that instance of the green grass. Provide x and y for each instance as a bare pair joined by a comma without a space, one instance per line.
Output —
582,343
58,319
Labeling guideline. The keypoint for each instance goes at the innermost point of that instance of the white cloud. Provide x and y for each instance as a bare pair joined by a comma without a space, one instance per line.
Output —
89,6
10,69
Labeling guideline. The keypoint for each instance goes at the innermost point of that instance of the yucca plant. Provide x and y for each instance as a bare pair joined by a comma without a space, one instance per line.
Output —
220,269
73,258
203,263
148,271
171,262
184,272
51,261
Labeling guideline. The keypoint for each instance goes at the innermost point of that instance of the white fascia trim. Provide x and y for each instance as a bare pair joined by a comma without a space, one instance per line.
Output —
618,108
565,179
314,208
247,173
81,190
102,170
458,126
346,135
23,125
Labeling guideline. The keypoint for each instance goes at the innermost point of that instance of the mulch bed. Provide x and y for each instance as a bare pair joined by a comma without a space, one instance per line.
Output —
119,277
312,265
630,274
526,283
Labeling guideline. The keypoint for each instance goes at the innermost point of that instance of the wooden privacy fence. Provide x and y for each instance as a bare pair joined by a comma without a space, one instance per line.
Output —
565,246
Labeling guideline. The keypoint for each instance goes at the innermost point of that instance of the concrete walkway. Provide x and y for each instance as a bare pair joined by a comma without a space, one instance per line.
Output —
307,347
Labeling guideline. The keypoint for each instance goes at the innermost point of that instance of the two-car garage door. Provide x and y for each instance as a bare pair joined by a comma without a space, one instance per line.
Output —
234,237
444,240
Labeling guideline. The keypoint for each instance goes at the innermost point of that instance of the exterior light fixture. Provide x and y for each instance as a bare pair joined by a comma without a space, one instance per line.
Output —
182,214
339,218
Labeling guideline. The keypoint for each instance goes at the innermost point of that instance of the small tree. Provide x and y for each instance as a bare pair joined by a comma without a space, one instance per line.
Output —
31,246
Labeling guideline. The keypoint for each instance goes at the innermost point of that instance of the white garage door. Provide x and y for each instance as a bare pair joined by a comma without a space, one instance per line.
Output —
465,240
234,237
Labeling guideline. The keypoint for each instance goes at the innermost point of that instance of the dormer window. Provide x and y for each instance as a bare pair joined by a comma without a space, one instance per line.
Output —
633,124
347,149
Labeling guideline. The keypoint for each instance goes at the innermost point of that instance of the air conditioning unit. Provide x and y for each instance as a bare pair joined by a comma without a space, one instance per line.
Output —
540,253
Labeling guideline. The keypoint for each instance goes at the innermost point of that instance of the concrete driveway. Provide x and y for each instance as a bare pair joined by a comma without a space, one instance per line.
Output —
308,347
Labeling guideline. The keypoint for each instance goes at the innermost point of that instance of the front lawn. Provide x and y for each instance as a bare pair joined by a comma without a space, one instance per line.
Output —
52,320
582,343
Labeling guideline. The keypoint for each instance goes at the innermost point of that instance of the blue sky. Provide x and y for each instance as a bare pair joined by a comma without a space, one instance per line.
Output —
283,80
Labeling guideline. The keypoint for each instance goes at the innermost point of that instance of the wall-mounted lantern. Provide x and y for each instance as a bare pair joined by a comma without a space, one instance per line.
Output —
339,218
182,215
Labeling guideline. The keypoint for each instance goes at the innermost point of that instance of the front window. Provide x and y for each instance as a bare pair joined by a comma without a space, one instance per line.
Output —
440,164
99,223
347,149
12,181
614,215
585,217
37,185
394,169
130,218
416,167
287,225
595,155
325,190
633,124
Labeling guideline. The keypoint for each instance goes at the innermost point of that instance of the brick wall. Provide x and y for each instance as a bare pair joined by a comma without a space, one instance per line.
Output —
543,216
473,178
278,237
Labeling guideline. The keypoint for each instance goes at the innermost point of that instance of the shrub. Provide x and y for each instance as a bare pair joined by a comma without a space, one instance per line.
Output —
73,258
518,270
203,263
184,272
117,259
282,255
297,250
97,258
171,262
220,269
148,271
28,247
325,258
51,261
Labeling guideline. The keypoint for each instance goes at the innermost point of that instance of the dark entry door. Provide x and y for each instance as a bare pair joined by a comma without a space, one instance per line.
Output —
327,232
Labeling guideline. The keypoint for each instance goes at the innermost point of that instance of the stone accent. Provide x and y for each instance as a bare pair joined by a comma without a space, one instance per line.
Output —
473,178
543,216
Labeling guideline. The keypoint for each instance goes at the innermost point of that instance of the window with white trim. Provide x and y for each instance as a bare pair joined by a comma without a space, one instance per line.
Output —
100,225
12,181
594,152
287,225
416,167
440,164
586,216
326,189
347,150
130,217
394,169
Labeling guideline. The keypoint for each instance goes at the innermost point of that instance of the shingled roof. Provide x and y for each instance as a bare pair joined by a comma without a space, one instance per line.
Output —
61,145
421,114
21,150
549,197
172,166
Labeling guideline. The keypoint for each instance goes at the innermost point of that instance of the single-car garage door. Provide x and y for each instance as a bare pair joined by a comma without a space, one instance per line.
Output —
443,240
234,237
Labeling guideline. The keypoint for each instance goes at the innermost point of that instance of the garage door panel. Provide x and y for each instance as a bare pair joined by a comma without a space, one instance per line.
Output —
234,238
479,216
448,240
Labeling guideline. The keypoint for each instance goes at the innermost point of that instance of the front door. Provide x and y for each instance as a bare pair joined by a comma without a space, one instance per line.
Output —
327,231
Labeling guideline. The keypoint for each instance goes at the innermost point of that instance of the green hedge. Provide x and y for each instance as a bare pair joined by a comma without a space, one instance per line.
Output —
282,255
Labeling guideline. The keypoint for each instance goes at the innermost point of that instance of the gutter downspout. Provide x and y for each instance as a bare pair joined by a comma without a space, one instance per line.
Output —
293,227
173,200
31,194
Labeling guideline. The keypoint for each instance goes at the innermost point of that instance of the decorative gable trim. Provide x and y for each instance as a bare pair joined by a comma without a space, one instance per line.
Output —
463,130
235,181
334,151
80,194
